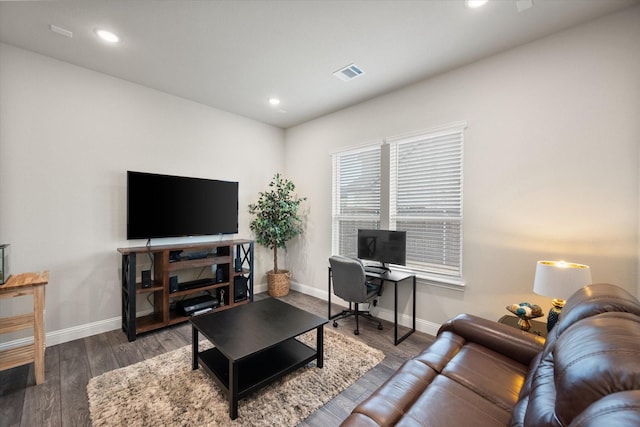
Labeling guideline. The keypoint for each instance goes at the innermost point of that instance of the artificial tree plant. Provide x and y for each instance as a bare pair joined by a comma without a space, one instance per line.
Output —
276,221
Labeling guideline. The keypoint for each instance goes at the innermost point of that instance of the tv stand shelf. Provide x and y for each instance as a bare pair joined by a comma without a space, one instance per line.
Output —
225,255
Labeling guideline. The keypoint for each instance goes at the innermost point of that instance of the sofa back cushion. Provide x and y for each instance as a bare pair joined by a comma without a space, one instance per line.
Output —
595,299
595,358
549,395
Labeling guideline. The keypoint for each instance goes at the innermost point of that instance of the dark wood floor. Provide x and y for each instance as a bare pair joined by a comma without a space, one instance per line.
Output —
62,399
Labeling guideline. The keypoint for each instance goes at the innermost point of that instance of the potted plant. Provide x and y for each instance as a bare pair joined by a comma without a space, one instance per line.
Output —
276,222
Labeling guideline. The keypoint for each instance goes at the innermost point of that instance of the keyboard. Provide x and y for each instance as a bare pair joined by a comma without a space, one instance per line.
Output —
376,270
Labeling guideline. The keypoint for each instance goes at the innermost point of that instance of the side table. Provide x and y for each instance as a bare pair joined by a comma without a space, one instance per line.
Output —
20,285
537,327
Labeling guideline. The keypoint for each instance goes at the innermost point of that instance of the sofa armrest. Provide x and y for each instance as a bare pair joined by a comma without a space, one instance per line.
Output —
509,341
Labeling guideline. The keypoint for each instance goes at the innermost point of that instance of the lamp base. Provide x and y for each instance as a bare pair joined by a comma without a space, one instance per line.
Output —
554,313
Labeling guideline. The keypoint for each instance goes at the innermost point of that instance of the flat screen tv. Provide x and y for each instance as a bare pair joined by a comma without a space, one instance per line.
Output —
383,246
174,206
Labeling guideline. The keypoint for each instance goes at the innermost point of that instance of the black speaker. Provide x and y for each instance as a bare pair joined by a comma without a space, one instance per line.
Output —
173,284
219,275
240,288
146,279
238,265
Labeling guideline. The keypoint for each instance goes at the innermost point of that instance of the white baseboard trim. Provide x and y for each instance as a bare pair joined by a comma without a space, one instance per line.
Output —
263,287
69,334
82,331
422,325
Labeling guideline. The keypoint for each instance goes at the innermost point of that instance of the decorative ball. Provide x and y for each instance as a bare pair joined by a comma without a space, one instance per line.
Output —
525,310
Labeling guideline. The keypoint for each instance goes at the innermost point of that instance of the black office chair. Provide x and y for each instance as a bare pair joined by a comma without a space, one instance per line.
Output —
350,283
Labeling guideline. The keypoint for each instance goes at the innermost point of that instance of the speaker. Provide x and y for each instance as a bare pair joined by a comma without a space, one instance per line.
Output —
219,275
173,284
240,288
238,265
146,279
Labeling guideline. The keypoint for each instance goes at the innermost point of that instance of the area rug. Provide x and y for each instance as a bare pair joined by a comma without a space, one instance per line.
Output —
165,390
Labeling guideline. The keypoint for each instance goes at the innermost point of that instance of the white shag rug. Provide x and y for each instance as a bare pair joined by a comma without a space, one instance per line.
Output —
165,390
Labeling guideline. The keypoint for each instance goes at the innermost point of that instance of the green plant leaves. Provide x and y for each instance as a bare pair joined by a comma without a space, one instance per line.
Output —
276,218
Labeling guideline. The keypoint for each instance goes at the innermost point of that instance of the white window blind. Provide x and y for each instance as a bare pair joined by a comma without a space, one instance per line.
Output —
420,178
356,196
426,199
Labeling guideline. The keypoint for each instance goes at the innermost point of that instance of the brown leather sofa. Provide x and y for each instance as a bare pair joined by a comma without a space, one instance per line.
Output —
483,373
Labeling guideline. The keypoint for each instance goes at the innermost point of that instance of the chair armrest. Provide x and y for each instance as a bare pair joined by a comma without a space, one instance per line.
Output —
504,339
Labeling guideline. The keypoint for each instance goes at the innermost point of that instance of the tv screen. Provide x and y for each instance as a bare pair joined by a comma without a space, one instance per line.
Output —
384,246
174,206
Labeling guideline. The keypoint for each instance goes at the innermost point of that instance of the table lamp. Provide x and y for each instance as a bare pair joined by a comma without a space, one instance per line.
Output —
559,280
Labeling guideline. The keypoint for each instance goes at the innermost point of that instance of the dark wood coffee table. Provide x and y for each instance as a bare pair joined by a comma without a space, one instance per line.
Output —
254,345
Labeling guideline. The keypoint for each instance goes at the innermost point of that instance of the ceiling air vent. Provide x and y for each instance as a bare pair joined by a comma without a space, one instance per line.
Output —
349,72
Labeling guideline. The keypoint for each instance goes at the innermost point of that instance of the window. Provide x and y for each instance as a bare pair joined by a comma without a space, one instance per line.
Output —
422,176
356,196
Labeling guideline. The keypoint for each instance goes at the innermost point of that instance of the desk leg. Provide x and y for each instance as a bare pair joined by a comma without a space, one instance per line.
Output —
329,288
38,332
397,341
414,304
395,313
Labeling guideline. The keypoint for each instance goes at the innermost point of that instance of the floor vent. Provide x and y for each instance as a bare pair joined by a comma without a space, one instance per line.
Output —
349,72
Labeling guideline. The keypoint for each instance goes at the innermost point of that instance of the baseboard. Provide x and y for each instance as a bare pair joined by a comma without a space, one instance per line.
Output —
422,325
69,334
263,287
102,326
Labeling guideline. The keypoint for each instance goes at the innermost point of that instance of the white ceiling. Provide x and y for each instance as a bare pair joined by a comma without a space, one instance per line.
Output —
234,55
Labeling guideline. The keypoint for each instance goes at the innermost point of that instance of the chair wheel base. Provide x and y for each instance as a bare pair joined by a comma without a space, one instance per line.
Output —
335,324
356,332
379,327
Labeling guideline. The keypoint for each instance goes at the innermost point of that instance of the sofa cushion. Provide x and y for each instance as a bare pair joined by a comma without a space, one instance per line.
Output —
591,300
393,399
596,357
592,359
617,409
491,375
446,403
488,381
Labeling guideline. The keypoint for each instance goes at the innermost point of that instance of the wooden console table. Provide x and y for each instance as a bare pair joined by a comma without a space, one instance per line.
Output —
20,285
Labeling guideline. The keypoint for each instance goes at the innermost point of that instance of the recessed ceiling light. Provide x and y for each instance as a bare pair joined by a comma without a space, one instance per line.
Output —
107,36
274,101
474,4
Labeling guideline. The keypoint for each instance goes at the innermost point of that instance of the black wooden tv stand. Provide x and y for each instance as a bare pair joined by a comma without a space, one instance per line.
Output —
225,255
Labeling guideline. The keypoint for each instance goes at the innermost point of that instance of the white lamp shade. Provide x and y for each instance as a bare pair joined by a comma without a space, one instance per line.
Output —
559,279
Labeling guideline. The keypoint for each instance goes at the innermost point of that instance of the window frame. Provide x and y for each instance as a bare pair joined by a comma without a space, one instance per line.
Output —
445,190
338,217
387,216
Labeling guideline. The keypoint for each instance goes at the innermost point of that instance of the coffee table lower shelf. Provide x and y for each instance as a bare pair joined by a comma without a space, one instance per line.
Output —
257,370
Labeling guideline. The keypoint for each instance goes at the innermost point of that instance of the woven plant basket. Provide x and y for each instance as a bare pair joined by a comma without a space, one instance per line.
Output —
278,283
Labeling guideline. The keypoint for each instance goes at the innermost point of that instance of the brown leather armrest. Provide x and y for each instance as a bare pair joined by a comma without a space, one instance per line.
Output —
511,342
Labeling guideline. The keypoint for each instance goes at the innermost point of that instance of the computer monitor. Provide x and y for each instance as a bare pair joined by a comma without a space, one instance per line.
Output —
383,246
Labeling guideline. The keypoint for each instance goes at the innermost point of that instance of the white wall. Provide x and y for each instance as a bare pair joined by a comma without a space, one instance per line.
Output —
550,168
67,137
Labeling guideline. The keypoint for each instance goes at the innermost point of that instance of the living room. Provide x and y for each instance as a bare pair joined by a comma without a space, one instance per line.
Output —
550,170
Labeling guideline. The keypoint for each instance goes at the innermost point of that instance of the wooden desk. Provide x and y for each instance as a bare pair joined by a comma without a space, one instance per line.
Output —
20,285
394,277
